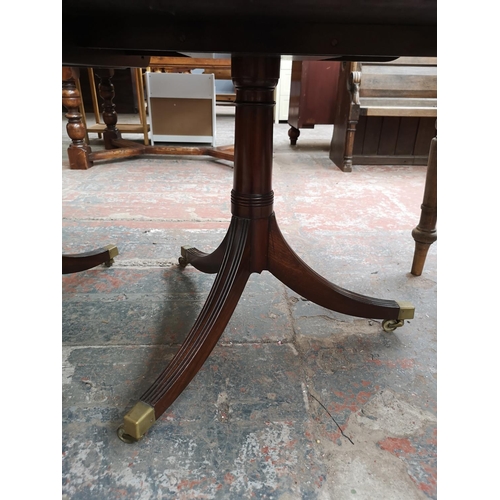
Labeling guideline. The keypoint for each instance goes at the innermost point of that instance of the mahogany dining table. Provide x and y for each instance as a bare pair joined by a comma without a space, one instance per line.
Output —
126,33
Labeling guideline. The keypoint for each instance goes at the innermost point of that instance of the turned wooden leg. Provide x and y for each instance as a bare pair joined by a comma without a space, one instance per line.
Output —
425,233
109,116
353,119
74,263
349,143
293,133
205,262
221,302
346,116
79,150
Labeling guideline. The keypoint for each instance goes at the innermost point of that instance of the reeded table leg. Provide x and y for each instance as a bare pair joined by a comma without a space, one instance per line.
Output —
206,262
253,244
213,318
74,263
287,266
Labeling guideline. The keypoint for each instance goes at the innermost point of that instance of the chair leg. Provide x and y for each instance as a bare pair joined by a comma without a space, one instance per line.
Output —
425,233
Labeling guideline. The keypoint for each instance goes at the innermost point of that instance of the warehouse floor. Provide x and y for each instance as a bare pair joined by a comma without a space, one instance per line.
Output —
296,401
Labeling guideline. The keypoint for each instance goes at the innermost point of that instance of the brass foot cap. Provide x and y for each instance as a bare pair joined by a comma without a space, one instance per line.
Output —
406,310
137,422
184,258
113,250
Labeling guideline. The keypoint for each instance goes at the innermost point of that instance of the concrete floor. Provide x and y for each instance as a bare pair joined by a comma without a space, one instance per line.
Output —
296,401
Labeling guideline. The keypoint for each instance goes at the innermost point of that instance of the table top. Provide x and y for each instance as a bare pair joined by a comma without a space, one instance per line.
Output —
346,29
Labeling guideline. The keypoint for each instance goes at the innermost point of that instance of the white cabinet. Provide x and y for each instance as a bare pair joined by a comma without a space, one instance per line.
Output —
181,107
283,90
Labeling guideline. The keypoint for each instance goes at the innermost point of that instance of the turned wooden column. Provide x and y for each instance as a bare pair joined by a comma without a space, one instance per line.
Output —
425,233
79,150
353,119
252,194
252,197
109,116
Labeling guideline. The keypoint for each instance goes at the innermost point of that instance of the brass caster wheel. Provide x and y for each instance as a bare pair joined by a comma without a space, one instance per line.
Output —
184,258
126,438
389,325
112,252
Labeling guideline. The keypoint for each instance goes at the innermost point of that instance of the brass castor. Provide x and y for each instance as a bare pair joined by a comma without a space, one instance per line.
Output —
136,423
126,438
406,311
389,325
183,259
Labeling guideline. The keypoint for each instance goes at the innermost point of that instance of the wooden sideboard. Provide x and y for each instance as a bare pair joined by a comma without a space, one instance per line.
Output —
313,93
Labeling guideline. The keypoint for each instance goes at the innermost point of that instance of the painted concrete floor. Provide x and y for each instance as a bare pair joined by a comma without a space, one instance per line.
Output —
296,401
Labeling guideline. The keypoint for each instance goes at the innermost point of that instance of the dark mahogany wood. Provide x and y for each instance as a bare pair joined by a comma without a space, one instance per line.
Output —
351,28
206,262
297,275
213,318
425,233
74,263
293,134
256,34
313,95
254,242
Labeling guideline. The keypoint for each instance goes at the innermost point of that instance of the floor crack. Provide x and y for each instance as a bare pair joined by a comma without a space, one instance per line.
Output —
324,407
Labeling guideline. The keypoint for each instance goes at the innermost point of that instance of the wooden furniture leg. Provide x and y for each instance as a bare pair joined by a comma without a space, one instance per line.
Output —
109,116
297,275
78,150
346,116
211,322
293,134
253,244
207,263
425,233
74,263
